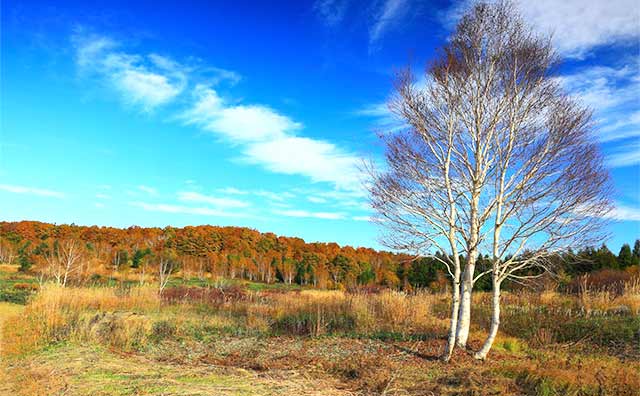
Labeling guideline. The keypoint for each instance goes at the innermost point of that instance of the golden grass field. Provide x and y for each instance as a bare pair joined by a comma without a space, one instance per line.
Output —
129,341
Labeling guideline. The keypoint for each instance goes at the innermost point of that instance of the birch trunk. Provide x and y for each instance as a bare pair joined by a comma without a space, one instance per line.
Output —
495,322
464,312
453,326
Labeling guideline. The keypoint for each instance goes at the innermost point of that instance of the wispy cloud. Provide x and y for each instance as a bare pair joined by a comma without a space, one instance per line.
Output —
625,155
383,119
577,27
269,139
279,196
274,196
382,16
307,214
387,16
232,190
145,82
625,213
31,191
103,196
332,12
171,208
319,160
318,200
215,201
263,135
148,190
238,123
613,93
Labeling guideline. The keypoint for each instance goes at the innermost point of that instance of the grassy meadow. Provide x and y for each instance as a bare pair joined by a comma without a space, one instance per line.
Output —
216,337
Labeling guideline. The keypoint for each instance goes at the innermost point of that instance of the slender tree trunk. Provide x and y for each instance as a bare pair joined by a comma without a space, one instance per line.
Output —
453,325
495,322
464,312
464,318
66,275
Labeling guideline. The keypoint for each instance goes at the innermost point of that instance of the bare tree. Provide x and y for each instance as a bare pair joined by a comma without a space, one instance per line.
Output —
167,260
64,259
7,253
495,157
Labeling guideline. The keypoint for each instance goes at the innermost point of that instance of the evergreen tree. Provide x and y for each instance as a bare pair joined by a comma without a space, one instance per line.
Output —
625,258
636,252
24,257
606,259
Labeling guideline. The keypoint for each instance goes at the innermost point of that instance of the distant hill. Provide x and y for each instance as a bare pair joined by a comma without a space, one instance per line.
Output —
244,253
234,252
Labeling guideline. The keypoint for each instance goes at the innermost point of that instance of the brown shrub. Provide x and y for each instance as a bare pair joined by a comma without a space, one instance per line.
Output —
610,280
25,286
214,296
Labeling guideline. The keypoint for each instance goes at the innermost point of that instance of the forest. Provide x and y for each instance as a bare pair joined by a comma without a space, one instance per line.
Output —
78,254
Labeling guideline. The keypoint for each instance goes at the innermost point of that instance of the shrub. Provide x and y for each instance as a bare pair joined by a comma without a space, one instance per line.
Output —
26,286
213,296
15,295
308,322
163,329
124,331
609,280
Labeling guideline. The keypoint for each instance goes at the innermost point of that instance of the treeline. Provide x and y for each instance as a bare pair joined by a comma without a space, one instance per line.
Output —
230,252
604,267
67,253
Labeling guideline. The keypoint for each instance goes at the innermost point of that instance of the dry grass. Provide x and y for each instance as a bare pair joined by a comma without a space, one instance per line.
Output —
314,312
60,314
82,371
365,343
9,268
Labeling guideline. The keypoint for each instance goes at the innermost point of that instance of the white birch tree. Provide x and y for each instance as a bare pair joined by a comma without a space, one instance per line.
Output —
64,259
494,157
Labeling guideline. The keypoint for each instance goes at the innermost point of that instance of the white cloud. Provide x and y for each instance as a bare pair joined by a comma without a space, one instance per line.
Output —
273,196
99,205
90,49
318,200
103,196
170,208
387,16
30,191
613,93
232,190
625,155
362,218
378,110
149,90
267,137
237,123
627,213
269,140
345,199
215,201
148,190
320,160
143,82
304,213
577,26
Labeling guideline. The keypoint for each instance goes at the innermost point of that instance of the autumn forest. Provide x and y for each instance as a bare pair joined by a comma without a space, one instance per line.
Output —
79,254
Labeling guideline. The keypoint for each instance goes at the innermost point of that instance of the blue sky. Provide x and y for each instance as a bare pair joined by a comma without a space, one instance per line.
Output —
235,113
